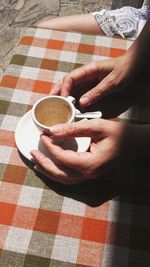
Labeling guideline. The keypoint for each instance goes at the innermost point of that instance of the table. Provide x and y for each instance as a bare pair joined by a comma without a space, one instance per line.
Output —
98,223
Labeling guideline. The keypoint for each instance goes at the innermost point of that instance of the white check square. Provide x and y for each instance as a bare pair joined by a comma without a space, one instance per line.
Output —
22,97
36,52
71,206
30,197
18,239
43,33
5,154
22,50
101,40
73,37
29,73
14,71
68,56
30,32
65,249
59,76
9,123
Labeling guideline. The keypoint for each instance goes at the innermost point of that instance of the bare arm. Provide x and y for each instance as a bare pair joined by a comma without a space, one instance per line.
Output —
139,52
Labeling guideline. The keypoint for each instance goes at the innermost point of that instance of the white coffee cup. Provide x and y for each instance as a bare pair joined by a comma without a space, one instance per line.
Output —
52,110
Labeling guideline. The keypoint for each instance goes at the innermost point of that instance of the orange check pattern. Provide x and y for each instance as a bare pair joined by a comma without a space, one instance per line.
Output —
102,223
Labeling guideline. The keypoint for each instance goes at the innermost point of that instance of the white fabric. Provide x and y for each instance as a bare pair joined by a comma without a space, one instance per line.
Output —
125,22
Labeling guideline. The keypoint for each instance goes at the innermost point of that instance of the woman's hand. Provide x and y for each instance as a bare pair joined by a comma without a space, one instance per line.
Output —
107,76
111,143
110,75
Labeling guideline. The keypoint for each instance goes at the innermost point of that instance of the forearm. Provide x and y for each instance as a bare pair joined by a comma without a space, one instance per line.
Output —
139,52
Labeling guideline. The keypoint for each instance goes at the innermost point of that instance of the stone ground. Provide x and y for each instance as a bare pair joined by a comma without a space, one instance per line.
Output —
17,15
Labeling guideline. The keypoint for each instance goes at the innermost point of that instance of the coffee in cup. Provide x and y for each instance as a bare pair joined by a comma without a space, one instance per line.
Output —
52,110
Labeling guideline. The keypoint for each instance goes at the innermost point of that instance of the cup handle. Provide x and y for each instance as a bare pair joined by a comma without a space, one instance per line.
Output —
71,99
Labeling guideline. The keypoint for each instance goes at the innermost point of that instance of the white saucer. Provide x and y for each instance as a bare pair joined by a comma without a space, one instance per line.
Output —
27,137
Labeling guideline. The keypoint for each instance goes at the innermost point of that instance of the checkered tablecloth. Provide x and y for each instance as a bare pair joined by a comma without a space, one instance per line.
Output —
99,223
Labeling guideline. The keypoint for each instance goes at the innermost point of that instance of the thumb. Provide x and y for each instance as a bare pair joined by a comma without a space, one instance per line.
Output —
83,128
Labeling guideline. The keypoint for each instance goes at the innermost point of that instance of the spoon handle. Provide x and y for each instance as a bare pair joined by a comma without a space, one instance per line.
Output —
89,115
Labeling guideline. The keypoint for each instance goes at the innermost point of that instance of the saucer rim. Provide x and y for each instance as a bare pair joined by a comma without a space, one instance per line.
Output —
17,130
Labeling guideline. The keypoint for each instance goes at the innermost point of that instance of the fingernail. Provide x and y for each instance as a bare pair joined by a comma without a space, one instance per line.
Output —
85,101
35,168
